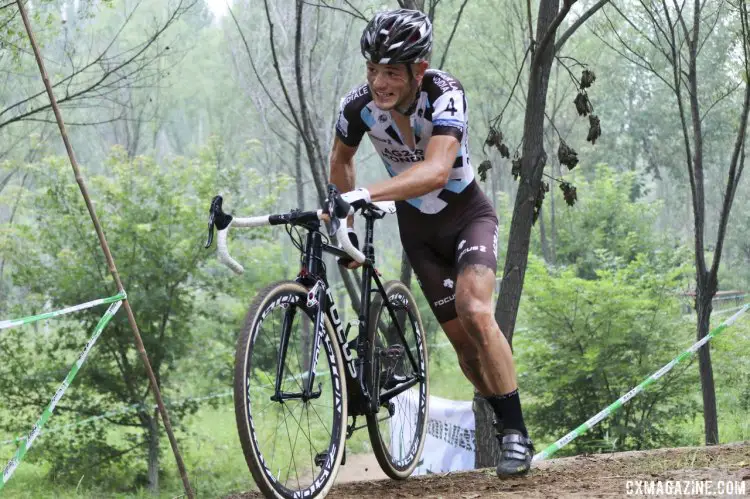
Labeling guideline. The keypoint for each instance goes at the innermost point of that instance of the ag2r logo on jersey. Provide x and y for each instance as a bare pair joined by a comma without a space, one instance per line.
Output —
396,156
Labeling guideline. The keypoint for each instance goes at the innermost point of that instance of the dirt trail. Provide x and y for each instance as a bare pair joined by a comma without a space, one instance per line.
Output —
600,475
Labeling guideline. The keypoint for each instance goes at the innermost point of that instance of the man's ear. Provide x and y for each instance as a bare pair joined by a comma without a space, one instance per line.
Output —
419,69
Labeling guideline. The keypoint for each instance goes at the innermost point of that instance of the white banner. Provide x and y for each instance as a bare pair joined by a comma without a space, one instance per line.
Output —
450,440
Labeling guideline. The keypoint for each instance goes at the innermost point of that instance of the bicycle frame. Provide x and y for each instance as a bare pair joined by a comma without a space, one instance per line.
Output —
313,276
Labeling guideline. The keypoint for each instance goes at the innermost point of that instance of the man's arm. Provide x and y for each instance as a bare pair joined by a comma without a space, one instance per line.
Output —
425,176
342,165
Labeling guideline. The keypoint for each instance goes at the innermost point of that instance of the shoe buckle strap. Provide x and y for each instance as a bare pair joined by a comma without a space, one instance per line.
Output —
515,455
515,448
516,438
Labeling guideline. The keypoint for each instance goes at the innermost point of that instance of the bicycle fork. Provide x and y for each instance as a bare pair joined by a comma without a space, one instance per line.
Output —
316,296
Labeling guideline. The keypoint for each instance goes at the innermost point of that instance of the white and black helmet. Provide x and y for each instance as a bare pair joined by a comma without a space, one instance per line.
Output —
400,36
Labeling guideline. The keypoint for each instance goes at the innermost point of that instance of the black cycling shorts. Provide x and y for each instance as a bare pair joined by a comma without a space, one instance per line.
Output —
440,245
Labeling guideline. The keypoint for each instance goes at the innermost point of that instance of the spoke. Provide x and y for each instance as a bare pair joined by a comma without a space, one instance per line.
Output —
266,407
306,436
294,446
309,431
275,440
325,407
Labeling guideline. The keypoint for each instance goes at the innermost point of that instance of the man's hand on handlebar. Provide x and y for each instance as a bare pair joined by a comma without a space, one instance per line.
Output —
348,262
355,199
358,198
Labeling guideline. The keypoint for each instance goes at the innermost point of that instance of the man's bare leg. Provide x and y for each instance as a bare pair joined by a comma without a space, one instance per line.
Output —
472,356
480,335
489,364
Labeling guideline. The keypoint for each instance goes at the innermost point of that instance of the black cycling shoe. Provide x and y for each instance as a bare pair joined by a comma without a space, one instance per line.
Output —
516,452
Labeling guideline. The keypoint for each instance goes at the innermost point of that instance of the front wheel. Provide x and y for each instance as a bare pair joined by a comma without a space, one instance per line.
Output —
292,437
398,429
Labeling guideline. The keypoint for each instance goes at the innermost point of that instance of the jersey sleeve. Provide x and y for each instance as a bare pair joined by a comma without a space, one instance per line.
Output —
349,126
449,114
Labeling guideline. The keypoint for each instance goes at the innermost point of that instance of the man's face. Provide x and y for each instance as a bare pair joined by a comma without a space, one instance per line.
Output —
390,85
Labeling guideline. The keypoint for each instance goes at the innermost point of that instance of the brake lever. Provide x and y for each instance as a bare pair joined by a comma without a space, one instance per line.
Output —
216,218
337,209
334,222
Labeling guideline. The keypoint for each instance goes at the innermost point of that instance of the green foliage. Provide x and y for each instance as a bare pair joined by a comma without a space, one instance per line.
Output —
590,341
608,226
154,217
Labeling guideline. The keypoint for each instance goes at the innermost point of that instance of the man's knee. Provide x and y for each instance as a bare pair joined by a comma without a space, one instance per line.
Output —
474,289
472,311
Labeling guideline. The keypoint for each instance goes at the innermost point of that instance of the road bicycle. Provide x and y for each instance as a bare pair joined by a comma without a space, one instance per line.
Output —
299,377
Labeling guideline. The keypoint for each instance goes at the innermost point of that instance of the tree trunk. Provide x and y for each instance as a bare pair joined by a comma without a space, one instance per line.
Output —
705,292
298,173
153,454
532,167
487,450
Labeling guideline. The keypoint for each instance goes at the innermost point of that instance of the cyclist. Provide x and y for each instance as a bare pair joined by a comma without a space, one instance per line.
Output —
417,120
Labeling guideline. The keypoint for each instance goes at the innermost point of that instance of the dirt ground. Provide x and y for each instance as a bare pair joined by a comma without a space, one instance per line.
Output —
600,475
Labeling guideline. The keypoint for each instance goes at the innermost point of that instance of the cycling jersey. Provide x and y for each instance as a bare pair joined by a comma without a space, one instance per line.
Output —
441,110
449,228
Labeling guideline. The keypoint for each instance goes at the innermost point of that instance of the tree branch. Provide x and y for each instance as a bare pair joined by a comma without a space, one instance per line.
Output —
577,24
635,58
719,99
711,28
654,22
453,32
255,69
354,13
737,162
296,123
101,82
698,171
499,118
528,17
308,130
551,31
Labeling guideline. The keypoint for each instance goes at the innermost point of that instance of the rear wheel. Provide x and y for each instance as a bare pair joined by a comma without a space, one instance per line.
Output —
293,443
398,430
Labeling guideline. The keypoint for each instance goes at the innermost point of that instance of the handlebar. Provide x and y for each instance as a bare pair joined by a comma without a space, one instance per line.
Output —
334,205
